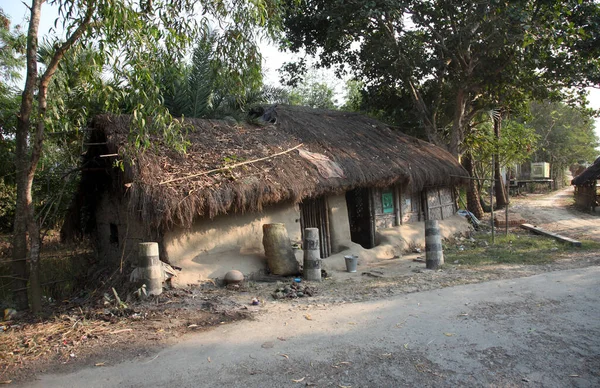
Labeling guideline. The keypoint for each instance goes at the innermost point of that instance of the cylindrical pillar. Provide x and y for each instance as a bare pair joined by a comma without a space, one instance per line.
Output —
150,266
434,256
312,255
278,250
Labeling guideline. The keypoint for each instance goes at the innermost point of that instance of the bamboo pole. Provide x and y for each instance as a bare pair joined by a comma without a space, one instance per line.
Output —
230,167
492,203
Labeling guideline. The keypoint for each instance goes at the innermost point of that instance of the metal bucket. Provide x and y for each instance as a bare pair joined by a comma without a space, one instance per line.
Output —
351,263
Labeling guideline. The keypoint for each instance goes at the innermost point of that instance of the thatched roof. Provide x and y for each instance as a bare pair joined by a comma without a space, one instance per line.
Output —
589,175
162,190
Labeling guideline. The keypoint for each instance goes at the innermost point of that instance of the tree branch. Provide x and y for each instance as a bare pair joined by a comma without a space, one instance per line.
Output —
45,80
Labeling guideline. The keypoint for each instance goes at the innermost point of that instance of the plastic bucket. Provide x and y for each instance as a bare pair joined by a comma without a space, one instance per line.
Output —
351,262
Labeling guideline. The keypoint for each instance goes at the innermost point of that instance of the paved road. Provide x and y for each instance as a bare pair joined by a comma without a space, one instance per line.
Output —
532,332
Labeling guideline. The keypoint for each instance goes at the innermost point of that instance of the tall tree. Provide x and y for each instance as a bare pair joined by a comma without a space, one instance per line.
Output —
200,89
129,35
566,135
453,60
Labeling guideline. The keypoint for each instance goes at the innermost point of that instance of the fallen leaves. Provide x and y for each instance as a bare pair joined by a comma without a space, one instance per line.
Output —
298,380
308,317
100,364
449,334
120,331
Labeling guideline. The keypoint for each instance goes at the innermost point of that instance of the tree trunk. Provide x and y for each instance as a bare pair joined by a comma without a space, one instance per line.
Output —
500,189
19,254
473,204
457,124
27,161
35,281
22,163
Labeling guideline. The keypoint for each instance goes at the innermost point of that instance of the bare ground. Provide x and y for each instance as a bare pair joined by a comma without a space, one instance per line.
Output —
94,337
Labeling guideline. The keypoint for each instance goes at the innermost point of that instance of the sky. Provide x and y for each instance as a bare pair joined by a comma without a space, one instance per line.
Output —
272,58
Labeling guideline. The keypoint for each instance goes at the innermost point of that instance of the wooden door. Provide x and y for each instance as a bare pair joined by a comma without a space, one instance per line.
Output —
314,214
360,214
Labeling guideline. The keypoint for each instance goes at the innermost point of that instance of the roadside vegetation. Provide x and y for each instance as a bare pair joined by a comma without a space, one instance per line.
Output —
512,249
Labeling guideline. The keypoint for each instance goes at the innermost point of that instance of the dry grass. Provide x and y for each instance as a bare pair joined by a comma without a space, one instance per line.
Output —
369,153
28,342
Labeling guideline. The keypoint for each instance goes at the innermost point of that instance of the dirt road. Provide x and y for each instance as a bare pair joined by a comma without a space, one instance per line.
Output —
556,213
538,331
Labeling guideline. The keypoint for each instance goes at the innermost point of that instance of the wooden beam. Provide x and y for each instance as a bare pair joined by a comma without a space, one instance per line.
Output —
558,237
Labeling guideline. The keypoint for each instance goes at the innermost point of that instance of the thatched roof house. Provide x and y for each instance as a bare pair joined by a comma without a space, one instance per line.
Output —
296,155
588,176
586,196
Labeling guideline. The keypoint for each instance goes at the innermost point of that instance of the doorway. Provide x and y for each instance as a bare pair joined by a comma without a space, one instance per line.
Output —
360,214
314,214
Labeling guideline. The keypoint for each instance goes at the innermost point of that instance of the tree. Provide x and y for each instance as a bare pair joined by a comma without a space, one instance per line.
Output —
451,60
566,135
354,96
517,144
196,89
312,91
128,36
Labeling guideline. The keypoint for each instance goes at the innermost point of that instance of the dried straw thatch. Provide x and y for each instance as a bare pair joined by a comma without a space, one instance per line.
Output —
589,175
162,188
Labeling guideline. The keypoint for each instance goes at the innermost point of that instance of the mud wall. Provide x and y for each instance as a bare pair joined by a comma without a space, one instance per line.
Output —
212,247
118,233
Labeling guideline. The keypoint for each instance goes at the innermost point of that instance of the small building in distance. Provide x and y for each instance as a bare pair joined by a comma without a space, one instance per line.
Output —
586,193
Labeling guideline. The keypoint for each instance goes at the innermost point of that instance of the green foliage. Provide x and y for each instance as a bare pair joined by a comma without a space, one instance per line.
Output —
516,144
313,91
436,65
354,96
12,47
315,95
514,249
566,134
196,89
133,43
12,44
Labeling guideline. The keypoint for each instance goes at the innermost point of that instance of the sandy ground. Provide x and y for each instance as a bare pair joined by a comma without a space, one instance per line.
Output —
357,356
556,212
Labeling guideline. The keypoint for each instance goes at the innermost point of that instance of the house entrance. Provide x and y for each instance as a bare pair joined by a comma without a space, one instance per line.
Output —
360,213
314,214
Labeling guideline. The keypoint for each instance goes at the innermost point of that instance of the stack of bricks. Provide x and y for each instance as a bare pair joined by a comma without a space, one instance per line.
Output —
514,219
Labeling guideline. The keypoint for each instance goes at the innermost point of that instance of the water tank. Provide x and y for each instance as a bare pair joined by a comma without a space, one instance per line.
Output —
540,170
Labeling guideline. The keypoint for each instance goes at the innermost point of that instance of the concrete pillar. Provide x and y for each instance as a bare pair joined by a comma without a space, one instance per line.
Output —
312,259
434,256
151,269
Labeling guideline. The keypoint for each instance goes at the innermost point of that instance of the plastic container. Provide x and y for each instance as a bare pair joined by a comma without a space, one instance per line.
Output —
351,263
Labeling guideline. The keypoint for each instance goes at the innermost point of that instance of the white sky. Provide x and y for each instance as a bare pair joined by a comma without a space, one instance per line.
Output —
273,59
